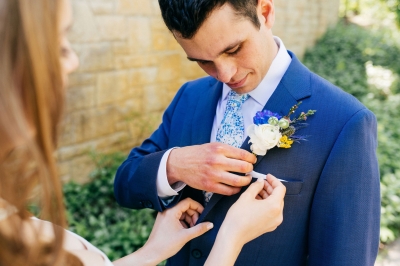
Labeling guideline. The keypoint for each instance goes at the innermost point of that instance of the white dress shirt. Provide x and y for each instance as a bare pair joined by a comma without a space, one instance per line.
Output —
256,102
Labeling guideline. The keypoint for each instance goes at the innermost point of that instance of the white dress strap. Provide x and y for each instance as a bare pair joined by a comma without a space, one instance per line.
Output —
87,244
6,209
90,247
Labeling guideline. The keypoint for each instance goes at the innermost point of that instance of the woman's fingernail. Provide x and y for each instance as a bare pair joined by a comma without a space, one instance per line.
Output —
210,225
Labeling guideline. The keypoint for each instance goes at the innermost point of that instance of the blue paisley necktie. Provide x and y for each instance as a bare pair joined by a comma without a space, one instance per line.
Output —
231,130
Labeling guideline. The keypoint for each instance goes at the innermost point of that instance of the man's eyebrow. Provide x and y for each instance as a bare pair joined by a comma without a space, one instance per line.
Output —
197,60
230,47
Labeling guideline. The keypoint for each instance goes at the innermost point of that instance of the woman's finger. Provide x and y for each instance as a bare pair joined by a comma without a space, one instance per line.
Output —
184,206
263,194
254,189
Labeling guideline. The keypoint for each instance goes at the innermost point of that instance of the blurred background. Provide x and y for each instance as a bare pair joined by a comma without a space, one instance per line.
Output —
131,68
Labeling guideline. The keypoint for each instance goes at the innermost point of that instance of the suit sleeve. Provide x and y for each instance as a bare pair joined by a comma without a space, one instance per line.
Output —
345,213
135,181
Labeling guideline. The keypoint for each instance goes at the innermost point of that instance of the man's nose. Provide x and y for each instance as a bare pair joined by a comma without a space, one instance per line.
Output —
225,70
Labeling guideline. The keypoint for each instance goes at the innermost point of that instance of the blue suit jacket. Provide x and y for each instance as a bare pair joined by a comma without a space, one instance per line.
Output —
332,203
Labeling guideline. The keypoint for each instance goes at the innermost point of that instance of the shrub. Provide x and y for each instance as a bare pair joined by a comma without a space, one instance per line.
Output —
93,213
340,58
342,52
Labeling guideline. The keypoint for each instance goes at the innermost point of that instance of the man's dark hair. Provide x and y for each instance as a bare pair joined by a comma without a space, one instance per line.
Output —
187,16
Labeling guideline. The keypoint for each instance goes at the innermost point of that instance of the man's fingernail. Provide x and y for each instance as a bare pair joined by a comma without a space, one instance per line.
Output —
210,225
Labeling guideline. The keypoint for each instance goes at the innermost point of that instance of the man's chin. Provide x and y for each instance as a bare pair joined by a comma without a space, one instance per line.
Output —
242,90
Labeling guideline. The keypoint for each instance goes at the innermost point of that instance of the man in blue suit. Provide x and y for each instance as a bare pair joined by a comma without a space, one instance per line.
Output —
332,203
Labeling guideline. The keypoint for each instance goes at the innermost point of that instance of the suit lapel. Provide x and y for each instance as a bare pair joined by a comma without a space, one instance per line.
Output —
294,87
214,199
204,113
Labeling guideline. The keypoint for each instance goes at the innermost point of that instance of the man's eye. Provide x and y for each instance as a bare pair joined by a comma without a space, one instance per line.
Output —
233,52
203,62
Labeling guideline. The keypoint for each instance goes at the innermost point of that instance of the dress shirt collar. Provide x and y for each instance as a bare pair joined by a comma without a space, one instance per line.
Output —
267,86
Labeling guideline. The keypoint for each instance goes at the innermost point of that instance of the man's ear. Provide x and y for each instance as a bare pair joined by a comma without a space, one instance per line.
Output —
266,12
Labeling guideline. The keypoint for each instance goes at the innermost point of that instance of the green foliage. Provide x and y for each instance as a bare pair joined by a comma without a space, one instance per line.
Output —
340,56
94,214
394,6
330,58
381,9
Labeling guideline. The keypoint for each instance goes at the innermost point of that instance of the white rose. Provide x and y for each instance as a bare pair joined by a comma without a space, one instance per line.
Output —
263,137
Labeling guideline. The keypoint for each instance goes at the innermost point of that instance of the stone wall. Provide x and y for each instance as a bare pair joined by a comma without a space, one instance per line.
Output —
131,67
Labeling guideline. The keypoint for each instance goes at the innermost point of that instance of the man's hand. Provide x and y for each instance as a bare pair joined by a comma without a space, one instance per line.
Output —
206,167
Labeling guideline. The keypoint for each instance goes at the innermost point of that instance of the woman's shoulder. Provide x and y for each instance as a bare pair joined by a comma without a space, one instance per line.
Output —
6,209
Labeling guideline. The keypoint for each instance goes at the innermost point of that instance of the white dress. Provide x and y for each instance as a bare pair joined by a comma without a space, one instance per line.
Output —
6,210
87,244
90,247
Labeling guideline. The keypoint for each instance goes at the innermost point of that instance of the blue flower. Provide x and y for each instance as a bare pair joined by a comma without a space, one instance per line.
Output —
262,117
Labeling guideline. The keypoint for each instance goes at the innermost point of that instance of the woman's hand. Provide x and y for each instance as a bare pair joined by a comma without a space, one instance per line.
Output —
257,211
265,191
170,233
252,216
171,230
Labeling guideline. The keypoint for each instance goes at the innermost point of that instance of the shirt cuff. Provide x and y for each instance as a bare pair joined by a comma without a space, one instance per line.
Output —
164,189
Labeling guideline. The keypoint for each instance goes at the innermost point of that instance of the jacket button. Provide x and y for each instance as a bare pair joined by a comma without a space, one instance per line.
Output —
196,253
148,204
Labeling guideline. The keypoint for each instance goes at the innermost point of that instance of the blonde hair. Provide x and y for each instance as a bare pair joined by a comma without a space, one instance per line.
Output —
31,102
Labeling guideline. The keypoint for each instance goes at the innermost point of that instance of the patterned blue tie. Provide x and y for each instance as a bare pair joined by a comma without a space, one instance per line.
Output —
231,130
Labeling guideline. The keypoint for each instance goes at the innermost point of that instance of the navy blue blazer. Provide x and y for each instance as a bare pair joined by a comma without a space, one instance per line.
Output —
332,204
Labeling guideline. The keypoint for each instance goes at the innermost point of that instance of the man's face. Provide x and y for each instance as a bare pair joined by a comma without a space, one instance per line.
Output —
231,49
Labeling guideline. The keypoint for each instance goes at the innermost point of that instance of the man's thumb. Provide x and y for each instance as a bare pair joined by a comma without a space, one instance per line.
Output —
199,229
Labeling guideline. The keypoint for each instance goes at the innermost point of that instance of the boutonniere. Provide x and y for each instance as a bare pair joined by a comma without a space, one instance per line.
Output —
272,130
